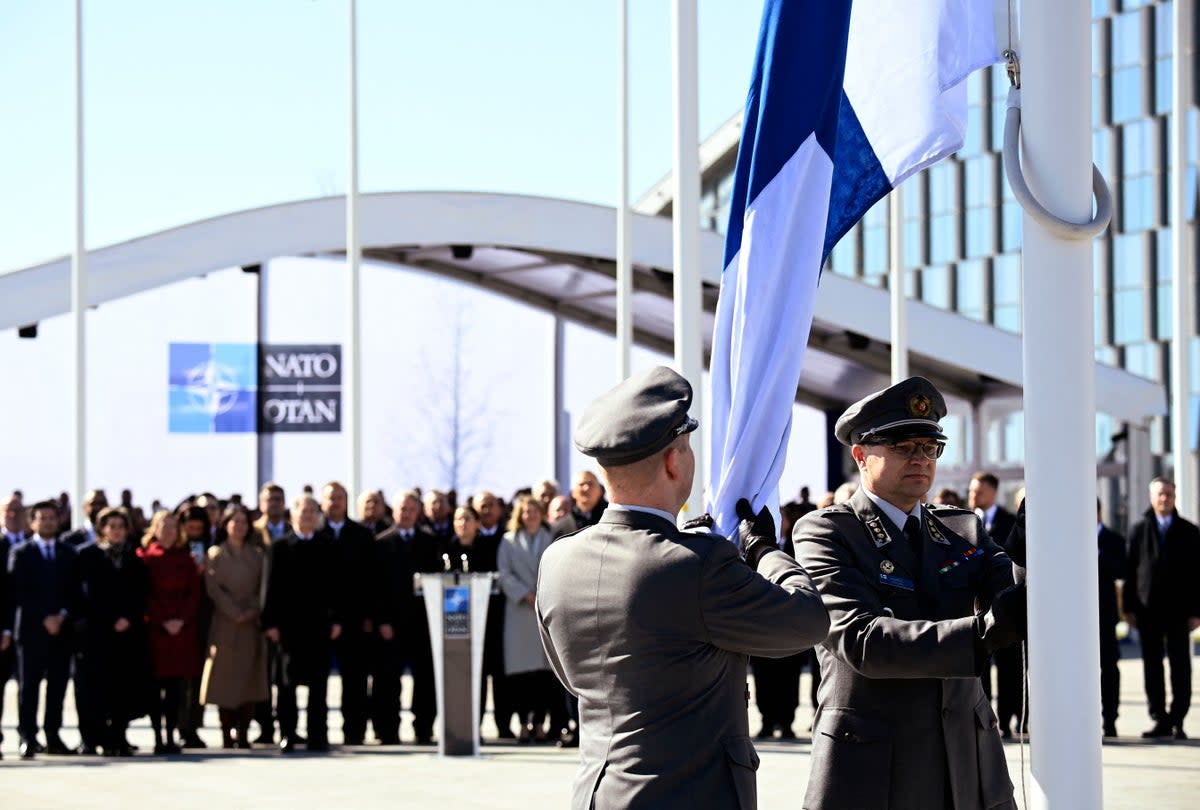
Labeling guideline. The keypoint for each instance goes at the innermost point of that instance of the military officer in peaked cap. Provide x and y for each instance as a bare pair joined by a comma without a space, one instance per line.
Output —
651,626
918,599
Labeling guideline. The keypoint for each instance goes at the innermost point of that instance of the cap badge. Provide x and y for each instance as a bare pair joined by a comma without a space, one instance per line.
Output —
919,405
887,567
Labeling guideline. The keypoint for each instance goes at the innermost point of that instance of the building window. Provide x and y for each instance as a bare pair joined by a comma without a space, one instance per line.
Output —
875,259
969,289
943,212
1128,67
1006,292
935,286
1163,270
1129,289
981,205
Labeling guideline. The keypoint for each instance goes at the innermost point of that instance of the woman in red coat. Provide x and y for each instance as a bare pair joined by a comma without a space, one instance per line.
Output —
171,608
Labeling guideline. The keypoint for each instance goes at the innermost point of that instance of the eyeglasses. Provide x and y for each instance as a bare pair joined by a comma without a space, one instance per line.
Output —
910,449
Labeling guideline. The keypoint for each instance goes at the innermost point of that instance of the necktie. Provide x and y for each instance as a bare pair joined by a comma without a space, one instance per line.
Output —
912,530
48,552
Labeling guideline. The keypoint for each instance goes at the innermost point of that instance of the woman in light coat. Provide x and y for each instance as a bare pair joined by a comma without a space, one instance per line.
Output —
235,674
535,691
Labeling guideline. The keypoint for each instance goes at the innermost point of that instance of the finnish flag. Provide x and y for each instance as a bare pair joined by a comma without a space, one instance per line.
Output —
847,100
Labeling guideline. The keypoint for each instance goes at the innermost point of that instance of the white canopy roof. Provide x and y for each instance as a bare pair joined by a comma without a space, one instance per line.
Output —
558,255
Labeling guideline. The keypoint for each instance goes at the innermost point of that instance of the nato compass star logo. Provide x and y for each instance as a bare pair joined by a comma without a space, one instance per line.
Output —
456,599
212,388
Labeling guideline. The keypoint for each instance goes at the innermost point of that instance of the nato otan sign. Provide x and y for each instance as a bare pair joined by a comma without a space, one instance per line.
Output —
248,388
300,388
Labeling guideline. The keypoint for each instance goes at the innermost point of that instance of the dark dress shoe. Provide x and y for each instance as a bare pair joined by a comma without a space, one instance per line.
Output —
27,750
119,750
193,741
1110,729
1179,733
506,734
58,748
1160,729
424,740
352,741
389,740
265,738
787,734
85,750
288,745
318,746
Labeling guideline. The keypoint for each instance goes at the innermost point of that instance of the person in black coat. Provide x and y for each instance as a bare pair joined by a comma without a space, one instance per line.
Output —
43,582
476,553
402,551
1111,565
302,617
353,548
1162,601
112,670
982,495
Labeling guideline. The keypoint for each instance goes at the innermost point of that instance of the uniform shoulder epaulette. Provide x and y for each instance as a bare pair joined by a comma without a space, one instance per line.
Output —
702,523
947,510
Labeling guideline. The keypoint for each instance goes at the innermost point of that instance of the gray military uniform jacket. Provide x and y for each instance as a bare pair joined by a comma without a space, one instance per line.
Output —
650,627
902,720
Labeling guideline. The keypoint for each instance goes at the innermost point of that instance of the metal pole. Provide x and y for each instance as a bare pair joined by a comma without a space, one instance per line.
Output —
79,297
896,285
1060,408
1182,306
685,221
352,405
624,264
562,430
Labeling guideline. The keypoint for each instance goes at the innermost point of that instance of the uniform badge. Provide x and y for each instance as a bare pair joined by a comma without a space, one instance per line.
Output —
887,566
878,534
936,533
920,405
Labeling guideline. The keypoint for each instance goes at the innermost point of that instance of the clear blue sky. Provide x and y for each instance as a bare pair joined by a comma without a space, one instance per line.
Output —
199,108
195,109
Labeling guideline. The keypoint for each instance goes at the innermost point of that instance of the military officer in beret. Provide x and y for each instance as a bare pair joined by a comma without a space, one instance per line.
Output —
650,626
918,599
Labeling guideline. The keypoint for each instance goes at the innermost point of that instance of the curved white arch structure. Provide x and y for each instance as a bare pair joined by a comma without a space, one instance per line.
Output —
559,255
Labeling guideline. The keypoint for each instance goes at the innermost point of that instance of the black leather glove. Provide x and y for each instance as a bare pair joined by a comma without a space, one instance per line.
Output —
756,533
1006,623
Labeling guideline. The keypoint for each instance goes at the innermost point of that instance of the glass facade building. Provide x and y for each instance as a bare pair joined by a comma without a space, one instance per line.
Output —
962,225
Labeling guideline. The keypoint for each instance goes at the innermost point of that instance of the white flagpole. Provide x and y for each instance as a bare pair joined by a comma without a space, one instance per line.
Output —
624,263
352,365
1182,307
896,283
1060,412
79,293
685,221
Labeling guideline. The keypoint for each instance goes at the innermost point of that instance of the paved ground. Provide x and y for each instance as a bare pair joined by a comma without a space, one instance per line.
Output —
1137,775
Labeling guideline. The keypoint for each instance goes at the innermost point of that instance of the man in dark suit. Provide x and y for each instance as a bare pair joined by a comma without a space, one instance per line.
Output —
491,534
405,549
353,549
13,533
1111,567
43,577
94,502
650,626
1162,601
437,515
903,720
301,616
982,498
588,494
372,512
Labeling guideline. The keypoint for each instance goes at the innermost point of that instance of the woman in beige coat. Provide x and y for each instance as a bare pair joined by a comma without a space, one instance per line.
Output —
235,674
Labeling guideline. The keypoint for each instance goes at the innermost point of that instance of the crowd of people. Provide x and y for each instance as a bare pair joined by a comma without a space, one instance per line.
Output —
160,613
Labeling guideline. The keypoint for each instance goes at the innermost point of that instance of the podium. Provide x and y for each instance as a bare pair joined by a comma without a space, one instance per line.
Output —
456,606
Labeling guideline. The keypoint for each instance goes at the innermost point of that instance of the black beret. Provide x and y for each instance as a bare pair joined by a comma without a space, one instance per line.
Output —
637,418
909,409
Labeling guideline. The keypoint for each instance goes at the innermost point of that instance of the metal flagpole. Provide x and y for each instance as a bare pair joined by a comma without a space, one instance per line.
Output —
624,263
1182,306
1060,412
79,289
685,225
896,282
352,366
